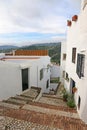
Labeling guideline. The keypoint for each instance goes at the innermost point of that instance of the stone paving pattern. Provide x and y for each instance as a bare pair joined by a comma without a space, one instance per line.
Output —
50,120
52,100
40,116
15,124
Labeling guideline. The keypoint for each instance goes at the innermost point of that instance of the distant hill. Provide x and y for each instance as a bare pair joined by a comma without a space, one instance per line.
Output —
5,47
54,49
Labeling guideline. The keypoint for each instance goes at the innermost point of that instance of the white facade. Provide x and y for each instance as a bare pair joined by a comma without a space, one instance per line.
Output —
35,73
63,62
77,41
11,73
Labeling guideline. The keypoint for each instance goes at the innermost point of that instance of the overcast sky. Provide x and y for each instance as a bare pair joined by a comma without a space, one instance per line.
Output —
31,21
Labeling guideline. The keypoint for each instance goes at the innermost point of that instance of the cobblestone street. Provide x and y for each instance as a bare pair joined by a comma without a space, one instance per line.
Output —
7,123
39,115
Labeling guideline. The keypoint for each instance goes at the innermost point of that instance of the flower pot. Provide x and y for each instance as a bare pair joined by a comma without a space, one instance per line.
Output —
74,89
69,23
74,18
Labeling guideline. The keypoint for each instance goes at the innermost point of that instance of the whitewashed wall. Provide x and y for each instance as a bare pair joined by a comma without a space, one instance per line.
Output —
63,62
77,38
10,80
11,77
35,73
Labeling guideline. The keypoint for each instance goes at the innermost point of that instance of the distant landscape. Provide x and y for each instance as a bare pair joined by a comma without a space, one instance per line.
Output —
54,49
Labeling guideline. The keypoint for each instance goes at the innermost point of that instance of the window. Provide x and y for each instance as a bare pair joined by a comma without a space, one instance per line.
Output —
64,56
41,74
63,74
73,55
80,65
67,77
79,102
47,85
72,84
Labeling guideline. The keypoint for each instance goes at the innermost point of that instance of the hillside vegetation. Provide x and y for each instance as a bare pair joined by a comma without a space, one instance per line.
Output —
54,50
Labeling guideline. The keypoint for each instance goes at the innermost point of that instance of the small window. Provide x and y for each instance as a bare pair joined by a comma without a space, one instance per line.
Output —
47,85
63,74
41,74
79,102
73,85
80,65
64,56
73,55
67,77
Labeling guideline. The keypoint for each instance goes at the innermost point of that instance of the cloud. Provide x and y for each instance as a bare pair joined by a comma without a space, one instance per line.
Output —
41,16
32,15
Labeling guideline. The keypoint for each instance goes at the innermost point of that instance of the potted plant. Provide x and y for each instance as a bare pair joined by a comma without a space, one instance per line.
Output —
74,18
74,89
65,96
70,101
69,23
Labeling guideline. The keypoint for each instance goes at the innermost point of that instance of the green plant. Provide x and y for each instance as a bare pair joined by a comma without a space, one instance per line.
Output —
54,80
70,101
65,94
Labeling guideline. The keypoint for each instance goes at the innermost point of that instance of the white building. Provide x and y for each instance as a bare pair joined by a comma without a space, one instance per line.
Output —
18,73
75,68
63,62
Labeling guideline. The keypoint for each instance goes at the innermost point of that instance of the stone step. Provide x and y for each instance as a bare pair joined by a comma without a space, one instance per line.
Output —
15,101
25,98
48,119
33,92
50,111
37,88
52,96
8,105
50,106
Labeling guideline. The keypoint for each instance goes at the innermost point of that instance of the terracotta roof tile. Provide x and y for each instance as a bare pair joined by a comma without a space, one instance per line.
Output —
32,52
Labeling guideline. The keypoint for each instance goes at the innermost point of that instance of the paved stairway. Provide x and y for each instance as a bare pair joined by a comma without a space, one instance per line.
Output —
50,119
38,116
19,100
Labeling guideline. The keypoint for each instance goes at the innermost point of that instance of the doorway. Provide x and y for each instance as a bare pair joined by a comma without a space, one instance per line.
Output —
79,102
24,79
72,85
